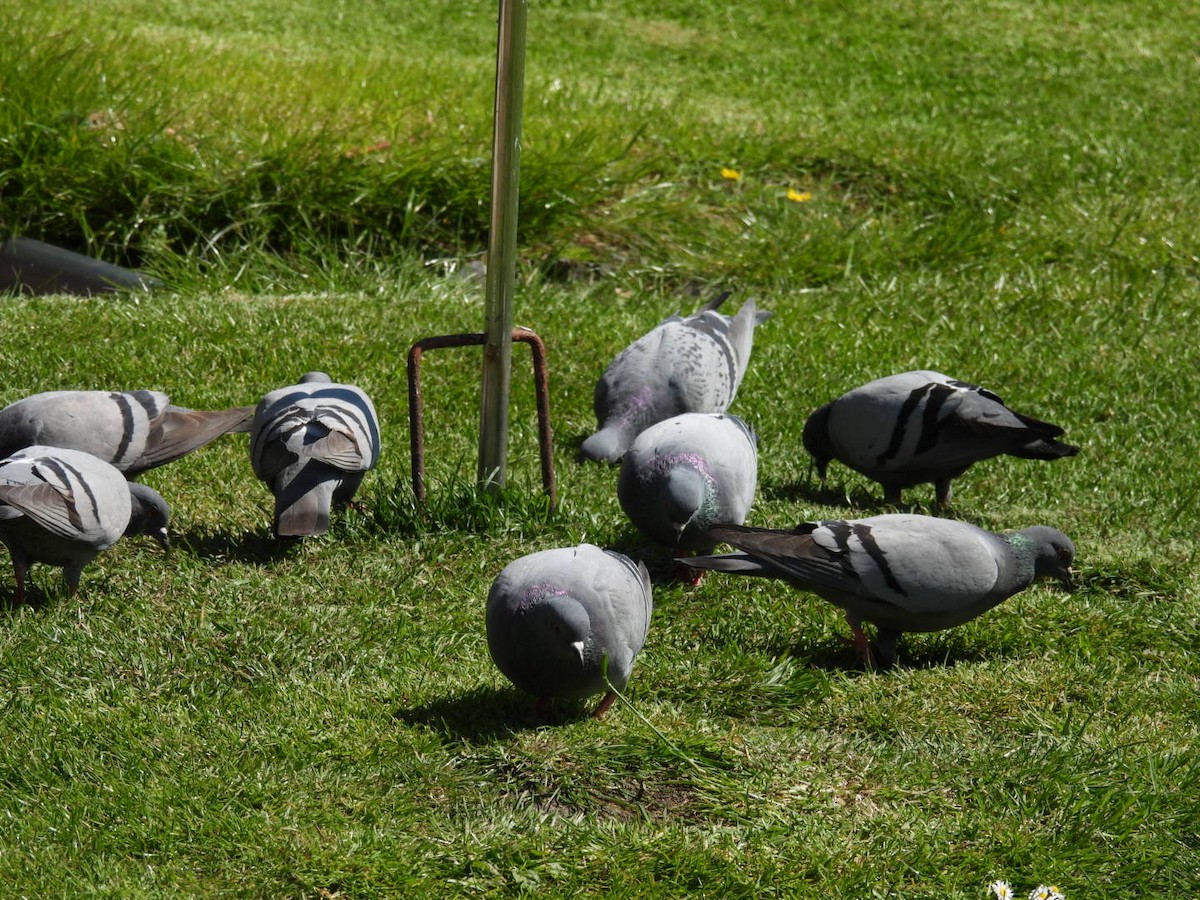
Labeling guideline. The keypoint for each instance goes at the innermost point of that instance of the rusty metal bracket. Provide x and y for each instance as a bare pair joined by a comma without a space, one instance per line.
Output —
416,403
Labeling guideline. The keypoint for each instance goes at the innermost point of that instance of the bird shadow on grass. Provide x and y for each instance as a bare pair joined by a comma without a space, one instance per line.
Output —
837,655
249,547
859,499
36,599
821,495
484,714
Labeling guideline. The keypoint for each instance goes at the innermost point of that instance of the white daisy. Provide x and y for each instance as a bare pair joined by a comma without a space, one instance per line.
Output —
1002,890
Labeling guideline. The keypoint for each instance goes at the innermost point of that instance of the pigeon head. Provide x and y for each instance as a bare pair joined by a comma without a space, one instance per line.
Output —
690,502
606,445
546,647
315,377
560,624
149,515
1052,552
816,439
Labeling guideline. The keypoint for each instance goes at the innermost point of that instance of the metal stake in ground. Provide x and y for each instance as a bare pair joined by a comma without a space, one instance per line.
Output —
502,244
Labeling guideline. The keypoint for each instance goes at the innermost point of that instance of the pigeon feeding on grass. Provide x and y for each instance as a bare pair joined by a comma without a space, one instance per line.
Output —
312,443
132,430
554,615
691,364
64,507
900,572
689,472
922,427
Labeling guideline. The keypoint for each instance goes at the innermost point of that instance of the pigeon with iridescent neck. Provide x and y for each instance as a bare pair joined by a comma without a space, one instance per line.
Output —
687,473
556,619
900,572
692,364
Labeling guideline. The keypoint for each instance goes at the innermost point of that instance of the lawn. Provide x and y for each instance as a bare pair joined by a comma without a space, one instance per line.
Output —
1001,191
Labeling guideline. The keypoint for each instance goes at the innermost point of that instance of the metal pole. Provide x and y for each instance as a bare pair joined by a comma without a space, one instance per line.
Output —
502,243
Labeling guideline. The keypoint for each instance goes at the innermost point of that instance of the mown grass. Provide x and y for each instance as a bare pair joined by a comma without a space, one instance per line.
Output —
1000,191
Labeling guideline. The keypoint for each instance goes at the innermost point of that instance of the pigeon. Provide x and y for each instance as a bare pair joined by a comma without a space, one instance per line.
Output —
554,615
901,572
692,364
922,427
132,430
686,473
312,443
64,507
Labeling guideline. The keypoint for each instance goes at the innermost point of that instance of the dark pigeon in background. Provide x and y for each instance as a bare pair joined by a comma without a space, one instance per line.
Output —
923,427
64,507
312,443
686,473
900,572
691,364
132,430
552,616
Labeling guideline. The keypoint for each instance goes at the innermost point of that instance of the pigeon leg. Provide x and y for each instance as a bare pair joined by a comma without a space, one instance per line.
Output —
605,705
861,644
942,492
20,570
891,494
689,576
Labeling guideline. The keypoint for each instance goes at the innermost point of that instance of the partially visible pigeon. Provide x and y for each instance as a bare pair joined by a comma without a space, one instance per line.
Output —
900,572
692,364
65,507
552,616
923,427
312,443
686,473
133,430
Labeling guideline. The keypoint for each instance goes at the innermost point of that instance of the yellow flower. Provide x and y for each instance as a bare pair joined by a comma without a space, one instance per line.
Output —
799,196
730,174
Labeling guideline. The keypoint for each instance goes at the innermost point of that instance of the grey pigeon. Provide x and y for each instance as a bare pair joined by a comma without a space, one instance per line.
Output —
900,572
692,364
312,443
922,427
132,430
553,615
65,507
686,473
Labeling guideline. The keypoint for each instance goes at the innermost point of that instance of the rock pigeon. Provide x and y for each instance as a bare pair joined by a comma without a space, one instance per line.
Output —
312,443
65,507
686,473
132,430
692,364
901,572
923,427
552,616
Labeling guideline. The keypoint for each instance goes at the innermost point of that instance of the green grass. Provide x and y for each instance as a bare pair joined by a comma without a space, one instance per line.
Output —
1002,191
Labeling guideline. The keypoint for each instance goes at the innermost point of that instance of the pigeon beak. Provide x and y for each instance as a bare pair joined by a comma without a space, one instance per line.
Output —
163,540
1066,578
578,645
